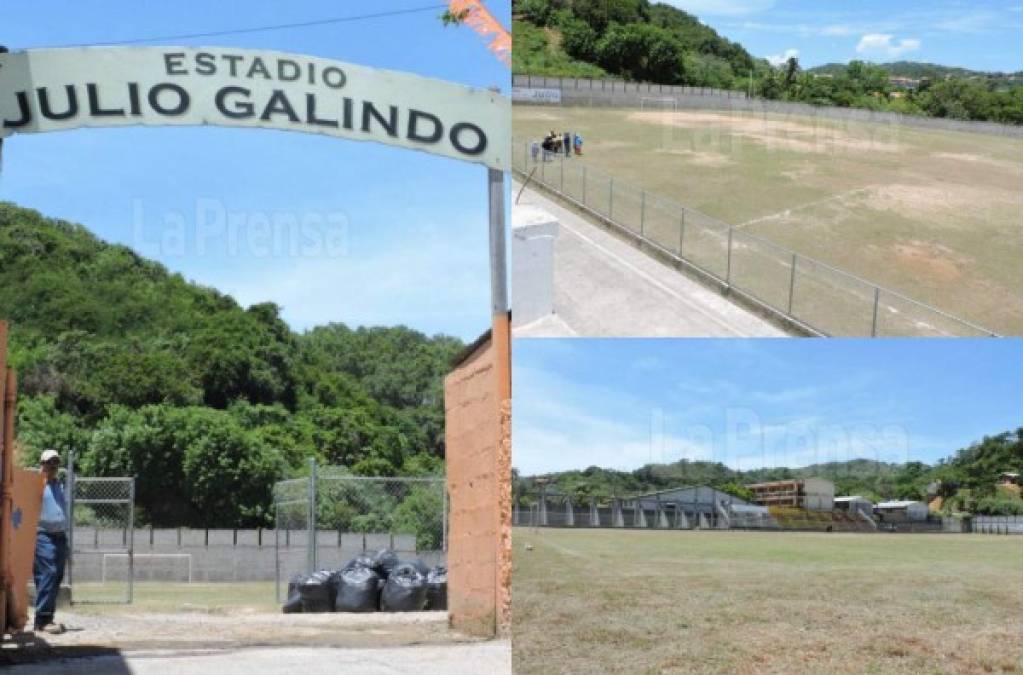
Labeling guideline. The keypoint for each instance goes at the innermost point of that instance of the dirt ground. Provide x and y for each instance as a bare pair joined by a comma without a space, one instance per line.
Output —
190,619
932,214
627,601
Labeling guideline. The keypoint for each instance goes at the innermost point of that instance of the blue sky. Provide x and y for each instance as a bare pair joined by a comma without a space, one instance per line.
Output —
405,234
750,403
978,34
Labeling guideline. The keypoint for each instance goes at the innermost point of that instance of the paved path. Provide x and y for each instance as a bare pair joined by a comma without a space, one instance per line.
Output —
605,287
493,658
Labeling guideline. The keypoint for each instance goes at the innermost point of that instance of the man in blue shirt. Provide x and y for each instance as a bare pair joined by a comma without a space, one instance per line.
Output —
51,545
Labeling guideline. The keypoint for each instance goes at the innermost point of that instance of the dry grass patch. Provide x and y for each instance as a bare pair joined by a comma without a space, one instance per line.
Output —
739,602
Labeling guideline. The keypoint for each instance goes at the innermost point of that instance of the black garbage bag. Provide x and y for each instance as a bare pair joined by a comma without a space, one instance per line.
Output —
423,568
358,590
437,588
405,590
384,561
293,603
317,592
361,560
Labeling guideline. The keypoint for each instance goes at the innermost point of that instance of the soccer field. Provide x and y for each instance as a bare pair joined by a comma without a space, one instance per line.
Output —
935,215
689,602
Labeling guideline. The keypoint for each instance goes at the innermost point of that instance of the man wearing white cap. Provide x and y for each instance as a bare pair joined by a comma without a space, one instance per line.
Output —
51,545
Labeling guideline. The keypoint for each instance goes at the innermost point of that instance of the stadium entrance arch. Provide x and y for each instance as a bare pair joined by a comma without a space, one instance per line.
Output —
48,90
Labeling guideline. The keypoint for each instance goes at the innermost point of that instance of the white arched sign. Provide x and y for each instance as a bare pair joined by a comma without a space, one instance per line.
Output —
57,89
45,90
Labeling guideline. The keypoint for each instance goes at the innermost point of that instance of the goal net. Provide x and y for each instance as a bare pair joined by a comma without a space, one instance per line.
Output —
658,103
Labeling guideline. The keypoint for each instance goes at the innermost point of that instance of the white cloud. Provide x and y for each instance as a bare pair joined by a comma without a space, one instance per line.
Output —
779,59
838,30
886,46
723,7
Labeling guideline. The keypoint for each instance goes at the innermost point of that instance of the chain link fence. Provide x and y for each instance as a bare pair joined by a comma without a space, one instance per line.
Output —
101,538
610,85
807,293
324,520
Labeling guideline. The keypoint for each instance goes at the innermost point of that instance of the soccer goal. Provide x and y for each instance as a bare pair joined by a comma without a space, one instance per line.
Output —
658,103
154,566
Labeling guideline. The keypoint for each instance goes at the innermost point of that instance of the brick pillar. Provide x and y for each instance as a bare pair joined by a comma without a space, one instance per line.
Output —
477,402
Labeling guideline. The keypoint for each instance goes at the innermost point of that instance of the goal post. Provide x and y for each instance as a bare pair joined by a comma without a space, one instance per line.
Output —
658,103
139,557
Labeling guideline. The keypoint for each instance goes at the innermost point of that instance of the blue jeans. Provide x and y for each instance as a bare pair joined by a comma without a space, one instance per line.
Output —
48,570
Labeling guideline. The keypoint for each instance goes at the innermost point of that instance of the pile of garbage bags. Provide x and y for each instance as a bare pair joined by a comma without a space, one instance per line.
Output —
370,583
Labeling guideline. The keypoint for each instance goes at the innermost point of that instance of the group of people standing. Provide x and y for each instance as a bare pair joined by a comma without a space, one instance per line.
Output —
554,144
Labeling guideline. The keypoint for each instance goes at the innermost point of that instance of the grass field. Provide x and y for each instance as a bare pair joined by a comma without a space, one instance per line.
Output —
95,597
935,215
742,602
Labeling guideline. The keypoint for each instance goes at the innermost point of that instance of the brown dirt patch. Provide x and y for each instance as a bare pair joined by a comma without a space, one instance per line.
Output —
807,137
930,261
708,159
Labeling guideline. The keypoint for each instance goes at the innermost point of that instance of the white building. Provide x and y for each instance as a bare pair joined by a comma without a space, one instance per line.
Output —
854,503
902,510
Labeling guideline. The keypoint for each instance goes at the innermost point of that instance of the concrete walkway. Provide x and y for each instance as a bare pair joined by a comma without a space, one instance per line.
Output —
488,657
605,287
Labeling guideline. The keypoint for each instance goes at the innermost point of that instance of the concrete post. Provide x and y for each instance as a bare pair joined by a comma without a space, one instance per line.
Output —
594,514
569,513
617,517
534,232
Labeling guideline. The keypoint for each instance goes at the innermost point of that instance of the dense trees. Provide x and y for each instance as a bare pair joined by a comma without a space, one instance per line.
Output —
637,40
967,480
207,403
633,39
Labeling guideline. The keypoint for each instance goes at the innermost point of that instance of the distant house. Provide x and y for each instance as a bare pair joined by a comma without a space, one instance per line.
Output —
1008,481
1008,478
901,511
854,503
904,82
814,494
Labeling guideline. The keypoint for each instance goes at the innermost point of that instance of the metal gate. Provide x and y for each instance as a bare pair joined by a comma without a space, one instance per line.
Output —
101,564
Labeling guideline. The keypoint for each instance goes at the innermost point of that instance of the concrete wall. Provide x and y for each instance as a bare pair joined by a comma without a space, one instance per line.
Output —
631,95
477,397
533,234
225,555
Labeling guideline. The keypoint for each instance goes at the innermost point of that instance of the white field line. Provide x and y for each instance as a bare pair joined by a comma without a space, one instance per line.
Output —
654,282
560,548
788,212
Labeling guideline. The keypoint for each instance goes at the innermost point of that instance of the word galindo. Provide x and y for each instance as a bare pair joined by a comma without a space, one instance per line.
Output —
235,102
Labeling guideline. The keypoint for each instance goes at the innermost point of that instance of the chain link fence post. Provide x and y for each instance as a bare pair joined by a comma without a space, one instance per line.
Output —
877,303
642,213
728,267
792,283
311,519
610,198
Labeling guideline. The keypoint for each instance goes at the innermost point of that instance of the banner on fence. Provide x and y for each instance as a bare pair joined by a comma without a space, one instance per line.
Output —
536,95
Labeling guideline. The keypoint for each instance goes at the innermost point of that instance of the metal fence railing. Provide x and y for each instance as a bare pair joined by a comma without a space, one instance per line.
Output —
616,86
812,295
703,508
101,538
997,524
325,519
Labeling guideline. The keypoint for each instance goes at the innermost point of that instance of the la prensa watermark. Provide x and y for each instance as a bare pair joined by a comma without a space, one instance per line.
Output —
212,228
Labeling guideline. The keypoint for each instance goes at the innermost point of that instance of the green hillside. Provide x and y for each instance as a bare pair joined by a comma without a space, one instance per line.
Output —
655,42
207,402
918,70
632,39
966,479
